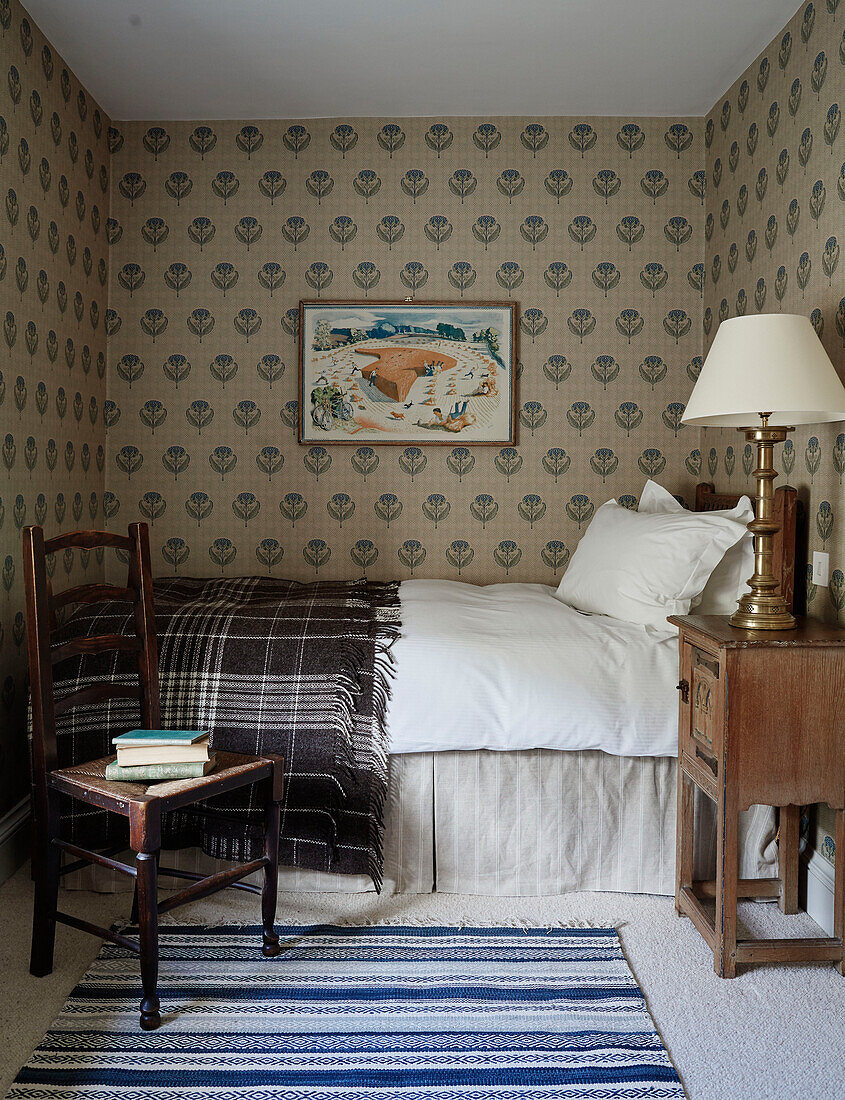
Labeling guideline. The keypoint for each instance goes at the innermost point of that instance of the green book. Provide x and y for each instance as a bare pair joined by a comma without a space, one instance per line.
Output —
155,773
155,738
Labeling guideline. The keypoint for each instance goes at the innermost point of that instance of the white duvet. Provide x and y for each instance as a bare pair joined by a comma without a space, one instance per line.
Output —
508,666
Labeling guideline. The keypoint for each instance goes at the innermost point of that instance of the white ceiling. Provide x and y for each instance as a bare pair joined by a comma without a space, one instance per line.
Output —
217,59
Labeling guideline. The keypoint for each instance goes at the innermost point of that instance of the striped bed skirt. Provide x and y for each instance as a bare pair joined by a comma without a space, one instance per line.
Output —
526,823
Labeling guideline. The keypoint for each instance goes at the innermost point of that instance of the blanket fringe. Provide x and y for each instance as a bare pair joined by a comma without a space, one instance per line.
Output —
388,628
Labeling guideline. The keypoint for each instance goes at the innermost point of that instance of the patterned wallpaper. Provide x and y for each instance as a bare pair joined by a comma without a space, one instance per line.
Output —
53,301
775,225
595,227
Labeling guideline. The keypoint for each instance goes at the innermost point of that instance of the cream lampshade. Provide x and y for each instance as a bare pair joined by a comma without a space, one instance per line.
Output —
763,375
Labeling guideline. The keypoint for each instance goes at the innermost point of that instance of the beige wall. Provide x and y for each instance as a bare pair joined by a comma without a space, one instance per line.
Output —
55,179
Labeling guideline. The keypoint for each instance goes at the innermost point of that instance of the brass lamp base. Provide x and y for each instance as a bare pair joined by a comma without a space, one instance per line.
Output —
754,614
764,608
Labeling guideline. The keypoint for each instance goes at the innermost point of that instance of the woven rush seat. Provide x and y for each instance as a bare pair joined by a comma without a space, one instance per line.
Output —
82,779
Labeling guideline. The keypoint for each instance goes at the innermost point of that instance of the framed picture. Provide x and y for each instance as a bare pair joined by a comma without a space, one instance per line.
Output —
407,372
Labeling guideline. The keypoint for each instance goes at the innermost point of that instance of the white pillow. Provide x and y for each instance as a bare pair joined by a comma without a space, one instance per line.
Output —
728,581
641,567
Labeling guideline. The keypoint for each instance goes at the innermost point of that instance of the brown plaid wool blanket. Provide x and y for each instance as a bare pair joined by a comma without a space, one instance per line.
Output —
265,665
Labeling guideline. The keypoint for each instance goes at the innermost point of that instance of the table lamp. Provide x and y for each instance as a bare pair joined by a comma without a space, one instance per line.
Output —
763,375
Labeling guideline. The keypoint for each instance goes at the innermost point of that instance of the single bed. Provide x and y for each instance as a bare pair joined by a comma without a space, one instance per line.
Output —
532,748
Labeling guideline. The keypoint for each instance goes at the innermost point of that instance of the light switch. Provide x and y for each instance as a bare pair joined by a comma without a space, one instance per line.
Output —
821,566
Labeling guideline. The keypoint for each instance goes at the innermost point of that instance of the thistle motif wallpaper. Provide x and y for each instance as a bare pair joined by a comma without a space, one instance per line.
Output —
53,301
217,230
775,226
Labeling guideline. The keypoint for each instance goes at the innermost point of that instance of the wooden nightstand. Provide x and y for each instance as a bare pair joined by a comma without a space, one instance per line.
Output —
762,720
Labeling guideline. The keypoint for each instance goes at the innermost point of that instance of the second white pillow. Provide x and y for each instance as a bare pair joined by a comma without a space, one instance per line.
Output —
728,581
641,567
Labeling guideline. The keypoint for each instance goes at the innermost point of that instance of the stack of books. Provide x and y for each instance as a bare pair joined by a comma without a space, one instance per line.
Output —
154,755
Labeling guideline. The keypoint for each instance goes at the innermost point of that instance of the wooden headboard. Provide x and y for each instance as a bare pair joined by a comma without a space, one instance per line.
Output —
786,509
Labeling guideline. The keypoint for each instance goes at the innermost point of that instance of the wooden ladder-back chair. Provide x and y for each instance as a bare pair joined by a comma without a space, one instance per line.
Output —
142,803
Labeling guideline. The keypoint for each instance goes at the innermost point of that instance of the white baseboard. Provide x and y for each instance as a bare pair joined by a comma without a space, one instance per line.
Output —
820,876
14,839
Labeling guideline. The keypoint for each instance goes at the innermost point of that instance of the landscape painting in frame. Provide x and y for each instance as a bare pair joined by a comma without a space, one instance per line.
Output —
407,372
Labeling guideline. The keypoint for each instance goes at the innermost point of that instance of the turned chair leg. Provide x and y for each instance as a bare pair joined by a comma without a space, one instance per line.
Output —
47,859
270,888
133,912
147,885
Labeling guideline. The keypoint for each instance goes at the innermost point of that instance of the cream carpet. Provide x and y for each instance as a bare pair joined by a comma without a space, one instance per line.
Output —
773,1033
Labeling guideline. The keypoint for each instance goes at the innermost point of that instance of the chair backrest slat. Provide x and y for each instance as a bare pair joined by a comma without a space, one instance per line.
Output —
96,693
94,593
41,605
96,643
88,540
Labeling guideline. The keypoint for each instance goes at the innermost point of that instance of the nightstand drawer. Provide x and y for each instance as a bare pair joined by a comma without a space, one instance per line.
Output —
703,718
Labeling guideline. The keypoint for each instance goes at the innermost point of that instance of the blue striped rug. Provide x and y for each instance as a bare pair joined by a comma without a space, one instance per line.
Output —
381,1012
